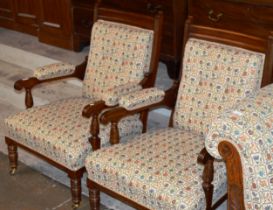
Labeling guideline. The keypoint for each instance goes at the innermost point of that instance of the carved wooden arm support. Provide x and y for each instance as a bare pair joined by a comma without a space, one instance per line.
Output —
114,115
207,160
93,111
29,83
234,175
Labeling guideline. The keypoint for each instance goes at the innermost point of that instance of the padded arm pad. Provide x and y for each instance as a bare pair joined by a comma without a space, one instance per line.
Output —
248,126
141,98
53,70
112,96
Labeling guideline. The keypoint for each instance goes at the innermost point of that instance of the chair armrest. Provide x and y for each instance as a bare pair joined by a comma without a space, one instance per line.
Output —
112,96
53,70
50,73
116,114
94,108
43,77
141,98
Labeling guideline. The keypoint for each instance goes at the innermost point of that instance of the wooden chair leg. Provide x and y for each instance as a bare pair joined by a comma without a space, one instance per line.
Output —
207,183
75,187
94,198
13,156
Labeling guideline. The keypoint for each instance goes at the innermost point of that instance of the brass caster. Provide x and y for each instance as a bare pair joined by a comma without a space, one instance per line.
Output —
12,171
75,205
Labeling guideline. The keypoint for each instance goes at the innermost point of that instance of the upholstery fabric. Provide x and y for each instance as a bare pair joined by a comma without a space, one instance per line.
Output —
141,98
215,77
118,54
249,127
53,70
157,169
59,131
118,59
113,94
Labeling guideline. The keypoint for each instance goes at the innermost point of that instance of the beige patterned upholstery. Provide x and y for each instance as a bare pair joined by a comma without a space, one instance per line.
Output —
53,70
131,48
215,77
59,131
119,57
112,96
249,127
157,169
141,98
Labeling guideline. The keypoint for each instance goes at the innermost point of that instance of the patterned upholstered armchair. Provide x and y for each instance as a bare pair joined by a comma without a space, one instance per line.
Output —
123,58
159,169
244,138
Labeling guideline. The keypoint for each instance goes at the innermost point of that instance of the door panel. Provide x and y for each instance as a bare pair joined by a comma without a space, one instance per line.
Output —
55,16
6,9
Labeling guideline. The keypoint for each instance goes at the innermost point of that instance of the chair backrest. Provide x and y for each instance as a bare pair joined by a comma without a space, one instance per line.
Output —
219,69
124,48
244,138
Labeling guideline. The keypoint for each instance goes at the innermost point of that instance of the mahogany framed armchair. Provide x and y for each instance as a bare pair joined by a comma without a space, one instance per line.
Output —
243,137
123,58
159,169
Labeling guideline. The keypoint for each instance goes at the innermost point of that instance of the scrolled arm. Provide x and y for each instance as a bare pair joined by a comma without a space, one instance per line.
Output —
243,137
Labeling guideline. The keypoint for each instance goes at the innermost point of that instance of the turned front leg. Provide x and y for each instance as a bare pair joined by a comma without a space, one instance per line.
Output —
94,199
75,187
207,182
13,155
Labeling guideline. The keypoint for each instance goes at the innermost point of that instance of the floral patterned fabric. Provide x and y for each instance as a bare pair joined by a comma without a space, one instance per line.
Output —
141,98
54,70
215,77
119,57
112,96
119,54
249,127
158,170
59,131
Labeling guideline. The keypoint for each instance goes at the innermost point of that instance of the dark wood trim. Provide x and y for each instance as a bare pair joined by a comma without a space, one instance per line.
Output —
234,175
95,188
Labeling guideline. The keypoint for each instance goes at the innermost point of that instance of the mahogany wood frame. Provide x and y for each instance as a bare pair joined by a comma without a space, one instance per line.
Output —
153,22
230,155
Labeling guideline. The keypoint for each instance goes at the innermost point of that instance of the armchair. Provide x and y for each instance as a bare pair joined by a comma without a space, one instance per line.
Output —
243,137
123,58
159,169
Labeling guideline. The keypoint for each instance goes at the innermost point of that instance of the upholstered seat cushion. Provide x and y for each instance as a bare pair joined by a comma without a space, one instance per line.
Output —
157,169
59,131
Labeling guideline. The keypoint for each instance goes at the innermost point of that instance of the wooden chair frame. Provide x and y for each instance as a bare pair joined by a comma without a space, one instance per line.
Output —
153,22
113,116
